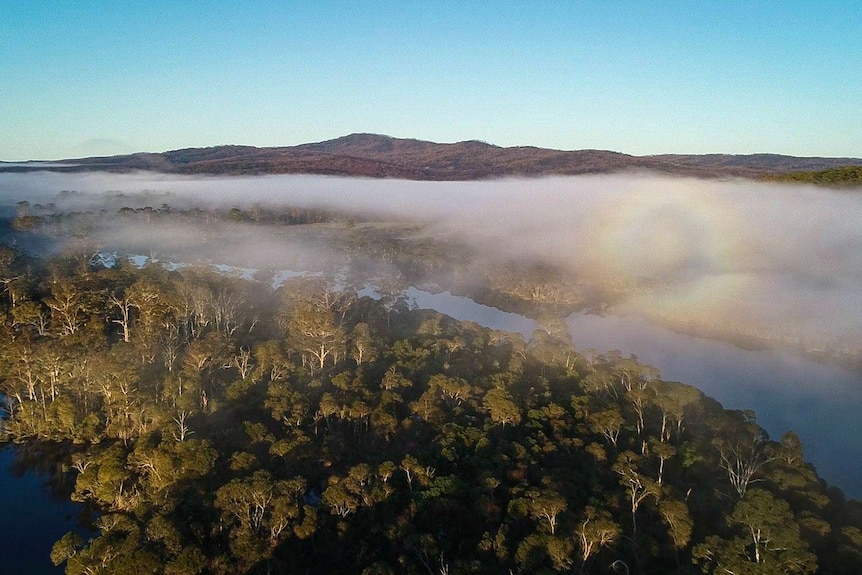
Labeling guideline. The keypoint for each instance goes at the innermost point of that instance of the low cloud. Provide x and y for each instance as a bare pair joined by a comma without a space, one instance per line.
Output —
770,259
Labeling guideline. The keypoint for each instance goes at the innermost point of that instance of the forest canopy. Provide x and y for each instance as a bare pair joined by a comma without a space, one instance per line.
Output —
214,424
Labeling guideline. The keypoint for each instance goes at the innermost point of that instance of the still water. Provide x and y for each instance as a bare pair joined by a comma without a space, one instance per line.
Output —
821,403
31,518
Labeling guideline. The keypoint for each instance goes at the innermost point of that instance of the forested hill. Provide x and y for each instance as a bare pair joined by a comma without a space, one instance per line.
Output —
378,156
220,427
850,176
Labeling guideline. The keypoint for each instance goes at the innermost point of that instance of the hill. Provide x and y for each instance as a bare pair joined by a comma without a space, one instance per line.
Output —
378,156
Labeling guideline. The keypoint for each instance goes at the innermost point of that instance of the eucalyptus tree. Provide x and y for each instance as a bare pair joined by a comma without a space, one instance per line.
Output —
261,511
764,538
501,407
595,529
315,334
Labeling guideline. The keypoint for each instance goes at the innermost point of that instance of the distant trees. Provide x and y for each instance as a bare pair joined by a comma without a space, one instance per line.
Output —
847,176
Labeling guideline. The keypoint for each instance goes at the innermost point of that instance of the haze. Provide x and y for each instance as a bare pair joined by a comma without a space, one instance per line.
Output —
776,260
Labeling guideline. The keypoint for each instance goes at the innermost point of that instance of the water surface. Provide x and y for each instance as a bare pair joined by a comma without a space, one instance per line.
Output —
821,403
32,518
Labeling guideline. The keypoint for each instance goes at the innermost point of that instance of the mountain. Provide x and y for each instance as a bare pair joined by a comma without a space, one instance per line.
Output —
378,156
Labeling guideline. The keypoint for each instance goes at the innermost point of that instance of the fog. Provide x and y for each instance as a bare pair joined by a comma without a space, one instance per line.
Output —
777,260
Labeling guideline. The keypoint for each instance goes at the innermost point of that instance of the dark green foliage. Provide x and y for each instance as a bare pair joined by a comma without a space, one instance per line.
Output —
219,429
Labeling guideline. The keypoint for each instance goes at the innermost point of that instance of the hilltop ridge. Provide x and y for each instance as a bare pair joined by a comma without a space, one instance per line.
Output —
381,156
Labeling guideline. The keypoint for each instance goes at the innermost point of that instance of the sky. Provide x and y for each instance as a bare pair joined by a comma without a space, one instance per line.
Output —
90,78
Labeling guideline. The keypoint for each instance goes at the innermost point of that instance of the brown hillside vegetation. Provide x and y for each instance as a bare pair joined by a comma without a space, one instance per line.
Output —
378,156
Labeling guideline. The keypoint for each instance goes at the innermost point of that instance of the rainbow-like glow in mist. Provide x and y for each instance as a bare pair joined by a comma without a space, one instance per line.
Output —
778,261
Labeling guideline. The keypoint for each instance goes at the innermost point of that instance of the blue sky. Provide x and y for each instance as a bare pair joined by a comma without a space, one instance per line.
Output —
90,77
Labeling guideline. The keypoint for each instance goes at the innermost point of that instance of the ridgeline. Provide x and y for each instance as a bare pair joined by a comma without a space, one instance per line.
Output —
378,156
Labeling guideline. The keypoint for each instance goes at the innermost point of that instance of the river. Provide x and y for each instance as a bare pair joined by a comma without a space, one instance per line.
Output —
821,403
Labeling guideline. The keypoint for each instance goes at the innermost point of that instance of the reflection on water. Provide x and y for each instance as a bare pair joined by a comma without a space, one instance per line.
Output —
31,518
820,403
462,308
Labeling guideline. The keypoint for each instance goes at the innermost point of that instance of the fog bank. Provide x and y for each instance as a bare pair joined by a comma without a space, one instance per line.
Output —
770,259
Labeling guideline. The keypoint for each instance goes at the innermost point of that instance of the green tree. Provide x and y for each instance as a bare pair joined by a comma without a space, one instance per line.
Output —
595,529
765,540
503,411
315,334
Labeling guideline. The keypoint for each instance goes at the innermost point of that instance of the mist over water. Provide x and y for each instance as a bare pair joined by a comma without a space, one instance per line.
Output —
780,261
776,260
